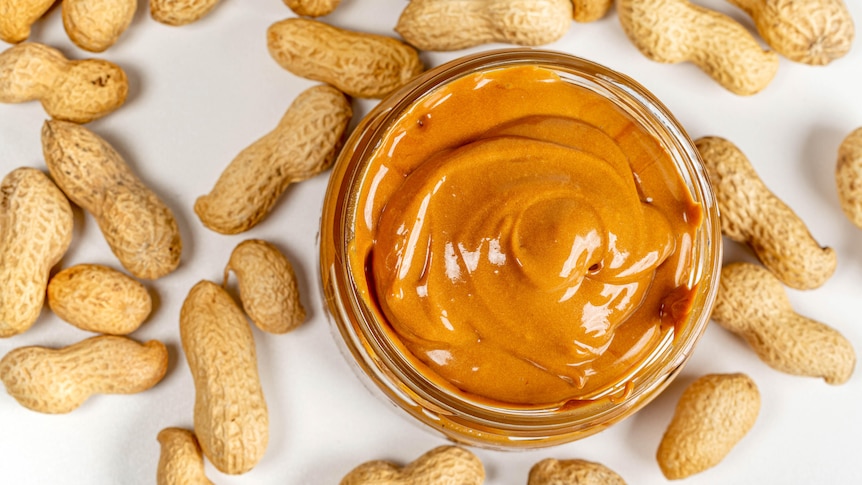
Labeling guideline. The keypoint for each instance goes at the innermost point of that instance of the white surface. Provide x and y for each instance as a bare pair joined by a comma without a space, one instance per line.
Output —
201,93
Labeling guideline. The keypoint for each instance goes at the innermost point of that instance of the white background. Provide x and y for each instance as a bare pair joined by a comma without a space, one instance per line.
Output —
202,92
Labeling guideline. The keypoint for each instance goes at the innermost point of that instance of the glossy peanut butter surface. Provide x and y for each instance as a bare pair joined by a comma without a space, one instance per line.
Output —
524,239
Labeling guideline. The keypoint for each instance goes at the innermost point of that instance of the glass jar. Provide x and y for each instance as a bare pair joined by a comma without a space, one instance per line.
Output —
382,360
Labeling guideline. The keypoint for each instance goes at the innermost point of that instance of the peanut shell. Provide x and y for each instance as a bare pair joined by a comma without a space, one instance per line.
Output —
304,144
751,214
78,91
813,32
457,24
312,8
267,286
672,31
95,25
713,414
848,176
591,10
572,472
17,16
752,303
359,64
181,461
57,381
444,465
140,229
99,299
180,12
230,415
35,231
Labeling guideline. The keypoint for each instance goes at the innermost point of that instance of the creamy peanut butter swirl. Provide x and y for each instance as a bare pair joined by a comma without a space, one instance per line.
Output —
529,263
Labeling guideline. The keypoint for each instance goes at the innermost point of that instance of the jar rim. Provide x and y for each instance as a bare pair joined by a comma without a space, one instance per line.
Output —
456,415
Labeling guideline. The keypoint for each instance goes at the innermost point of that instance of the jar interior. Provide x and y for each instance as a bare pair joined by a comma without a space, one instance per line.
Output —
402,377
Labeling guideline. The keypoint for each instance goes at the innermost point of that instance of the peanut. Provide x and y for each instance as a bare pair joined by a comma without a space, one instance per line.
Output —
180,12
572,472
444,465
57,381
713,414
673,31
753,215
181,461
458,24
16,17
230,414
95,25
35,231
312,8
267,286
304,143
99,299
359,64
848,176
138,226
752,303
591,10
79,91
809,31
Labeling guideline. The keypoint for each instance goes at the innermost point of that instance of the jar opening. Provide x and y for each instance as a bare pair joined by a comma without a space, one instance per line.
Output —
398,357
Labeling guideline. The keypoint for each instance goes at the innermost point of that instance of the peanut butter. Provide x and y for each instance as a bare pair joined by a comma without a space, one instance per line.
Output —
525,239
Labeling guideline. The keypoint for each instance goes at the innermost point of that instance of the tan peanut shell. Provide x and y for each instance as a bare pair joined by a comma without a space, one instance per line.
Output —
304,143
95,25
752,303
848,176
444,465
230,415
572,472
99,299
180,12
713,414
809,31
591,10
267,286
140,229
672,31
17,16
57,381
79,91
181,461
457,24
751,214
360,64
312,8
35,231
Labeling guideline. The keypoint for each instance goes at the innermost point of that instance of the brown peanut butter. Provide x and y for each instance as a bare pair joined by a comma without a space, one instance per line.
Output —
526,241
